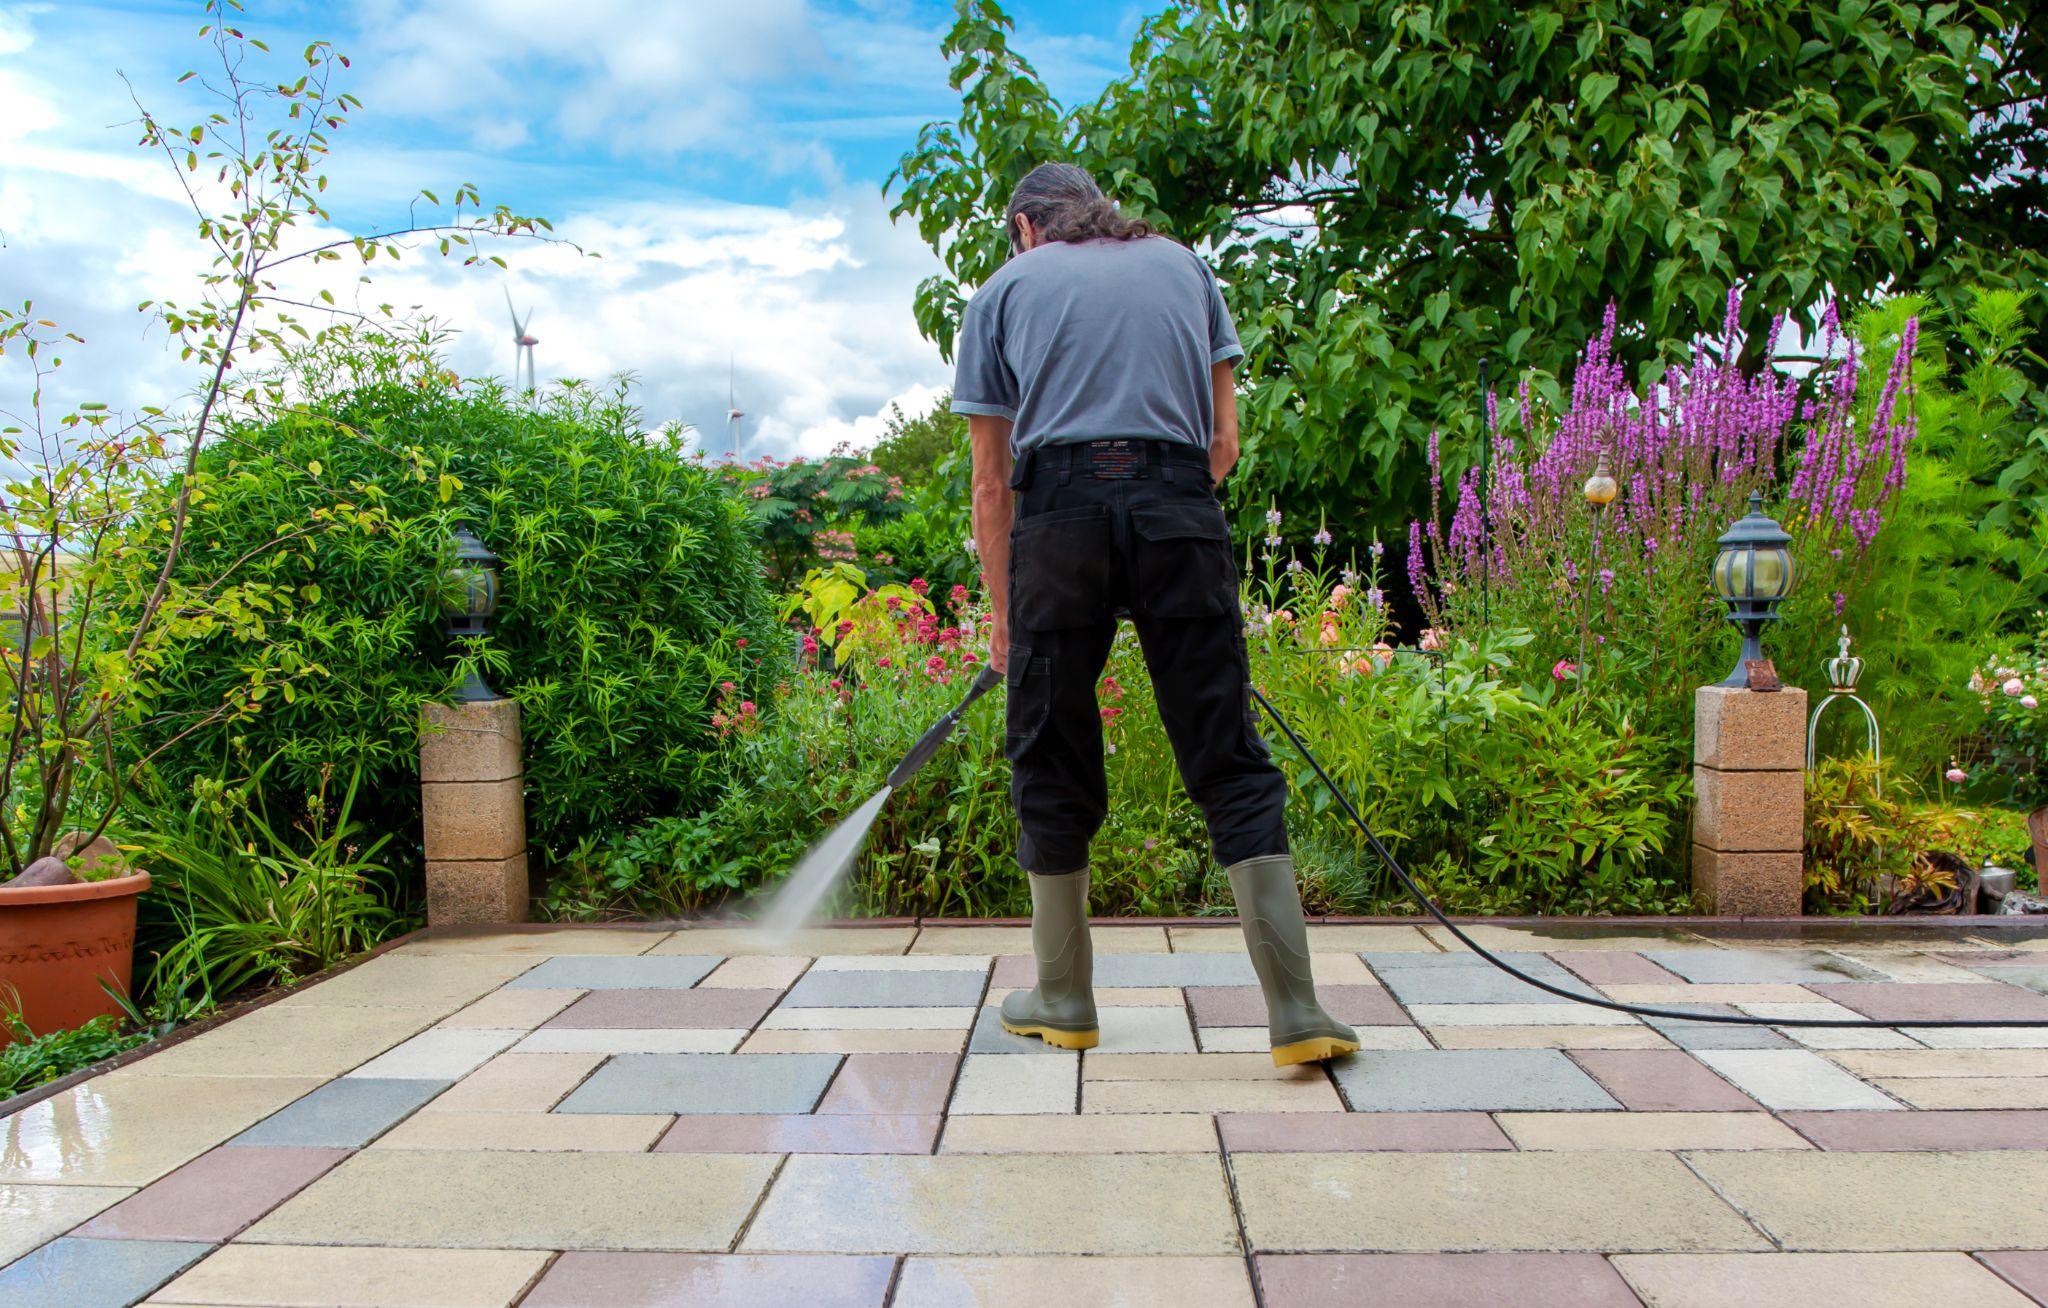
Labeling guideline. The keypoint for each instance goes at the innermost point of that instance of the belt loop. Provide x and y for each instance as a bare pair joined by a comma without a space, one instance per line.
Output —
1165,463
1066,464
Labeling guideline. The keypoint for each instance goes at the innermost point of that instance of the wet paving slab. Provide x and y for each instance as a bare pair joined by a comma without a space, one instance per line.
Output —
703,1116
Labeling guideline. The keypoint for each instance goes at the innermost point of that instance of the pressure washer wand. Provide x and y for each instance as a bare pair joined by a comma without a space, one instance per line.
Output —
928,744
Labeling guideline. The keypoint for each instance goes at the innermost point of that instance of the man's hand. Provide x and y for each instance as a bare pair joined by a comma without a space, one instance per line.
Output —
989,439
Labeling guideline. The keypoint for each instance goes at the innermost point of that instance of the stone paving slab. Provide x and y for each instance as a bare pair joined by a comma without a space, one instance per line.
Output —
886,989
800,1133
509,1010
123,1129
1854,1202
80,1273
1747,966
1532,1280
440,1054
1661,1081
1175,970
215,1195
663,1009
891,1083
1056,1133
1292,1133
1649,1130
487,1200
517,1083
578,1132
1458,1202
743,940
309,1277
705,1083
1901,1280
2027,1270
32,1214
1991,1001
1794,1078
598,972
997,1204
660,1280
1485,1080
1037,1282
1246,1005
404,980
343,1114
603,1040
1881,1132
276,1041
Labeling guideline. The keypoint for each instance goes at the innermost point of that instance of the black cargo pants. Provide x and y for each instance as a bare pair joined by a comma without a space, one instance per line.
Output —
1103,528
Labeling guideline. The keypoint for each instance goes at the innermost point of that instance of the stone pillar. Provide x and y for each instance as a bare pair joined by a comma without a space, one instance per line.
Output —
473,802
1749,809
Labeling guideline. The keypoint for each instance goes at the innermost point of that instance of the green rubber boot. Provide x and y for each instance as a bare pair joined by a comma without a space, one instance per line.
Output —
1269,905
1060,1009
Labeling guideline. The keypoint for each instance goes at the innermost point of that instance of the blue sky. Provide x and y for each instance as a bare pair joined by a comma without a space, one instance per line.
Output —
725,158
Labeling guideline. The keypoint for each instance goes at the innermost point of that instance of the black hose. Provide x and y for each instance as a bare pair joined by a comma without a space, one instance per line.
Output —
1640,1010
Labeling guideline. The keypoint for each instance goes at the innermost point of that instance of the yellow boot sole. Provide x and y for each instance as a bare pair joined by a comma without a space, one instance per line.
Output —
1312,1051
1062,1039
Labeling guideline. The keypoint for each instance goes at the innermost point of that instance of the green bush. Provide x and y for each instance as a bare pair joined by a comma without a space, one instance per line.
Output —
631,588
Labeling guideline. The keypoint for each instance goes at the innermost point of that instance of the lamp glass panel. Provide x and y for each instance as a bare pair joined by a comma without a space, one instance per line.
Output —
1773,573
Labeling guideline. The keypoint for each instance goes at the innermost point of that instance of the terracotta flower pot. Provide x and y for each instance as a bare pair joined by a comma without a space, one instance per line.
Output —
2037,827
58,942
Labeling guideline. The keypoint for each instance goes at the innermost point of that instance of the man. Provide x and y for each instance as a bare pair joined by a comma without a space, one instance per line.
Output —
1096,372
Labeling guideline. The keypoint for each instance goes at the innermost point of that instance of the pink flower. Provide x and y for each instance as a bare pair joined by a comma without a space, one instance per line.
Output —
1338,594
741,643
1563,668
1329,633
1431,639
920,585
2029,702
746,708
882,663
959,594
1956,776
2014,687
727,687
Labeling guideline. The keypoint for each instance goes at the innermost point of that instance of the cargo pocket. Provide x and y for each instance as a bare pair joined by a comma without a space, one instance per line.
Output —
1060,569
1029,683
1183,560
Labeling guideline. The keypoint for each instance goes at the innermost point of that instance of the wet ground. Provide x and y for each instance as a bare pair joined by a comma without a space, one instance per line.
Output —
633,1117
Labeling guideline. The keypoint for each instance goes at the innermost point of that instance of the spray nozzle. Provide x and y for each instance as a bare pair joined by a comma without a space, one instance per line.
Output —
928,744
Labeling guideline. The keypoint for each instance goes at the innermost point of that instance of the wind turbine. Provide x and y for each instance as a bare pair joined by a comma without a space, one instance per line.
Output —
522,344
732,409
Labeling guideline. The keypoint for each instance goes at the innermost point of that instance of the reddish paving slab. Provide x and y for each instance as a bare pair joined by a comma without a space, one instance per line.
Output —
1936,1000
1614,967
799,1133
215,1195
1014,972
1245,1006
904,1084
656,1009
2027,1269
658,1280
1272,1133
1527,1280
1960,1129
1661,1081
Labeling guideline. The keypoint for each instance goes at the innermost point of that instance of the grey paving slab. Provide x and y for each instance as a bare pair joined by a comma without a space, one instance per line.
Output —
887,989
80,1273
344,1114
990,1038
2030,978
1716,1035
1481,985
1174,970
705,1083
597,972
1797,966
1533,963
1482,1080
654,1010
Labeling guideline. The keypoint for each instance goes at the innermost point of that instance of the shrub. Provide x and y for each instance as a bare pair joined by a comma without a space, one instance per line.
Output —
630,587
2014,689
33,1060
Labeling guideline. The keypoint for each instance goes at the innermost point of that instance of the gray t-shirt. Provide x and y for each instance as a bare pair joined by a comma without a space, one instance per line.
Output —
1079,342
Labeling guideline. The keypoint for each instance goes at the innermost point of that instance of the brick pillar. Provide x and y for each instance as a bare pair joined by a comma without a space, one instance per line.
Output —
1749,811
474,806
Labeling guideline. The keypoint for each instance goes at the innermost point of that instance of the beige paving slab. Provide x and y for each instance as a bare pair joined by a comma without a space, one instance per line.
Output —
631,1040
932,962
1017,940
33,1214
537,1132
1305,1096
868,1019
1102,1282
855,1042
1669,1131
120,1129
1194,1067
1900,1280
568,940
440,1054
1452,1015
424,1198
1995,1037
1969,1091
288,1276
1945,1062
290,1042
516,1083
756,972
1711,993
1228,938
1854,1202
1812,1010
1338,969
741,940
1450,1202
510,1010
1917,968
406,980
1009,1084
1550,1037
997,1204
1499,938
1823,1037
1047,1133
1256,1039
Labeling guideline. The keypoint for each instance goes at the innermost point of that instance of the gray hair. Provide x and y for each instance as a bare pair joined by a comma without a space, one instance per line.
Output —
1064,204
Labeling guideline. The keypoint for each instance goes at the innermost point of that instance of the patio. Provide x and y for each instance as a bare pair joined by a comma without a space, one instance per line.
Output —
633,1116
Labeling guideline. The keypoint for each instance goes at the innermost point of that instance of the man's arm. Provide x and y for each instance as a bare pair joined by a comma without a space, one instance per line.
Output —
1223,441
989,439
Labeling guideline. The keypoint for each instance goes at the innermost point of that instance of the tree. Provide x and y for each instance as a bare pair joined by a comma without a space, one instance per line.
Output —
913,448
1394,191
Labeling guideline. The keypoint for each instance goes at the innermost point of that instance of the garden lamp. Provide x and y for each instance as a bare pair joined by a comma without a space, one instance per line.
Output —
473,598
1753,573
1601,488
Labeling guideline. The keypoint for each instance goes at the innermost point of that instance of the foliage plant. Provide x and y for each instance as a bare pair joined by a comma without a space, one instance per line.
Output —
630,587
98,508
808,511
2014,691
1395,192
31,1060
1872,836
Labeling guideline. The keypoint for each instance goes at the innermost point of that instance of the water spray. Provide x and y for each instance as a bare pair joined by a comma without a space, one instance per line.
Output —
831,860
